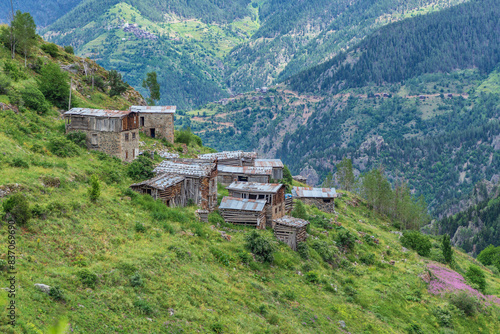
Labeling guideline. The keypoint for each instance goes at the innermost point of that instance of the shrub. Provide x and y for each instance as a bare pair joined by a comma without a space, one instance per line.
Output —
244,257
260,246
80,139
417,241
136,280
299,210
12,70
116,85
476,276
35,100
490,256
303,250
143,306
19,162
185,136
141,168
69,49
4,84
51,49
217,328
95,188
368,259
443,316
18,207
222,257
139,227
56,293
346,240
62,147
54,85
88,278
466,302
311,277
327,252
215,218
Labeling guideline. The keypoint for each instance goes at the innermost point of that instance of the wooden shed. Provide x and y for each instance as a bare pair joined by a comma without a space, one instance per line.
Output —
244,211
322,198
272,193
229,174
167,187
200,181
290,230
231,158
275,164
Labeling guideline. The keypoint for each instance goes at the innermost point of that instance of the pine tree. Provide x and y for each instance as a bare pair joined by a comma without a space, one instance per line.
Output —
95,188
447,250
152,84
345,174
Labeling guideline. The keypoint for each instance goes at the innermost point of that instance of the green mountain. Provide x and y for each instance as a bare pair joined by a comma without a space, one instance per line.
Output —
44,12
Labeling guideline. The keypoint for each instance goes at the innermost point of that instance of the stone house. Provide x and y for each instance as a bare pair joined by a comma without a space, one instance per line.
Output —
229,174
114,132
156,121
275,164
272,193
322,198
199,184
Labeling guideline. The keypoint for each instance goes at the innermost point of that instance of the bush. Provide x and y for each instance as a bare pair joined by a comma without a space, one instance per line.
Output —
215,218
327,252
311,277
116,85
5,83
69,49
185,136
368,259
222,257
62,147
417,241
466,302
139,227
143,307
19,163
13,71
56,293
490,256
88,278
299,210
35,100
141,168
303,250
51,49
260,246
95,188
54,85
346,240
136,280
18,207
476,276
443,316
80,138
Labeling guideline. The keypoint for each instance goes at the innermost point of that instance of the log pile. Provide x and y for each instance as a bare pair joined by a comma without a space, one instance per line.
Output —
202,215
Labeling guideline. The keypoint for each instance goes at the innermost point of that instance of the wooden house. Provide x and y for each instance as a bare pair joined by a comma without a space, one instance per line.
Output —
231,158
167,187
200,181
114,132
275,164
230,174
272,193
290,230
156,121
244,211
322,198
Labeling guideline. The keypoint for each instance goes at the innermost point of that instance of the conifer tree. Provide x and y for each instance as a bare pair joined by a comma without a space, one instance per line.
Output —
345,174
447,250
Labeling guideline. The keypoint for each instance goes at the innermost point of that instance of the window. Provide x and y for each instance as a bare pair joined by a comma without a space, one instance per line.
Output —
133,154
126,137
133,135
262,196
141,121
252,196
126,154
243,178
93,140
327,200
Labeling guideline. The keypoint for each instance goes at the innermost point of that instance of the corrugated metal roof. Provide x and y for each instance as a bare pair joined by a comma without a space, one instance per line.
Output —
276,163
188,169
169,155
228,155
255,187
291,221
243,204
97,112
154,109
161,182
245,170
309,192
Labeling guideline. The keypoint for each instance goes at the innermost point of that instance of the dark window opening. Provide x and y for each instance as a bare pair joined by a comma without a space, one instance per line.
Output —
141,121
153,133
327,201
243,178
126,154
148,191
252,196
133,135
126,137
262,196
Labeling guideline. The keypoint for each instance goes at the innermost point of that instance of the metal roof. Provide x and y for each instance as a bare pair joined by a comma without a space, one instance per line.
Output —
291,221
309,192
184,168
168,155
97,112
228,155
243,204
161,182
245,170
255,187
276,163
154,109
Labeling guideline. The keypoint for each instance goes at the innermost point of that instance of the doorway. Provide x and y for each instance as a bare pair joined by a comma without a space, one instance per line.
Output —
153,132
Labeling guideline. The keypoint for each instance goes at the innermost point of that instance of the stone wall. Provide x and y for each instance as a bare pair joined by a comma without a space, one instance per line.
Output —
320,204
130,148
162,123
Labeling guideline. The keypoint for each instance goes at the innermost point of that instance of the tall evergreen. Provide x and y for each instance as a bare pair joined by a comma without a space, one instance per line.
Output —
446,248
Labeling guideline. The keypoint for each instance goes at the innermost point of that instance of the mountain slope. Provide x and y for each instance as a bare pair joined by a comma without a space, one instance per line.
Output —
44,12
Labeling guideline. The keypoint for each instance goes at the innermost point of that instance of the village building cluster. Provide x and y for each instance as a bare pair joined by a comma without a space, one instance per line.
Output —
256,196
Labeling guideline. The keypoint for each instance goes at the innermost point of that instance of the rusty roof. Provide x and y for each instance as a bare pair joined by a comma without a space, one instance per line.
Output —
97,112
255,187
243,204
185,168
228,155
291,221
154,109
309,192
245,170
276,163
161,182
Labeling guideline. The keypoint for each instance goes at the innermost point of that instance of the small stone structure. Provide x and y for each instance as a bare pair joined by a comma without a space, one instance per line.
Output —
156,121
229,174
244,211
272,193
290,230
200,181
322,198
114,132
275,164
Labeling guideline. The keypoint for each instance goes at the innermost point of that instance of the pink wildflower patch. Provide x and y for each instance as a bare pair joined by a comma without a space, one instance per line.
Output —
444,280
